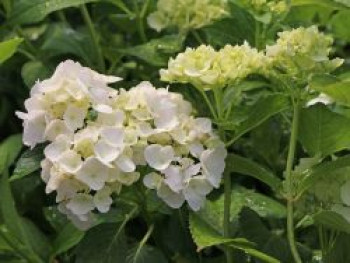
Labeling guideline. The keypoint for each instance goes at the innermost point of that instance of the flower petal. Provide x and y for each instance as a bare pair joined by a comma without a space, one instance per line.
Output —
172,199
93,173
159,157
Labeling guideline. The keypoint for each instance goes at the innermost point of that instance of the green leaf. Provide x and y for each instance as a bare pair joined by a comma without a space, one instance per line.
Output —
242,165
13,222
8,209
236,29
62,39
146,254
8,48
337,89
101,244
33,71
205,236
16,246
340,251
339,24
26,12
66,239
267,241
42,245
323,132
157,51
213,212
332,220
3,243
9,150
328,169
326,3
28,163
258,113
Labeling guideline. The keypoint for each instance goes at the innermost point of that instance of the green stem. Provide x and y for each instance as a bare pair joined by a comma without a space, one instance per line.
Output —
27,42
289,181
89,24
143,241
197,37
257,34
62,17
123,7
218,96
227,209
140,19
209,104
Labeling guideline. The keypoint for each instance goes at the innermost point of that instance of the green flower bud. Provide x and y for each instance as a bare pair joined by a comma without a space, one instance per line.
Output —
301,52
186,14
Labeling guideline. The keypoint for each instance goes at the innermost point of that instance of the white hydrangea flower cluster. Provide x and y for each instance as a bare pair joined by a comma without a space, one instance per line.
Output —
98,137
263,7
186,14
301,52
206,68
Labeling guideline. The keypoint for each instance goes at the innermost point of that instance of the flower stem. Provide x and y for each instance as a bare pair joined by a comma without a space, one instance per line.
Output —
290,160
89,24
218,96
208,102
227,209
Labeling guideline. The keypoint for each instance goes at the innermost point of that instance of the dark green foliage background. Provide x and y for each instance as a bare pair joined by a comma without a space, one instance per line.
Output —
31,228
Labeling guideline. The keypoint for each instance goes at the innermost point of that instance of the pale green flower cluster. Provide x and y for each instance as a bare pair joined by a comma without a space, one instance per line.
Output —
301,52
186,14
99,137
206,68
262,7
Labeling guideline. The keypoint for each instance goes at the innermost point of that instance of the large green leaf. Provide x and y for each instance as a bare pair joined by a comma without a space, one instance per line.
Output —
213,212
242,165
9,150
28,163
21,229
323,132
8,48
339,24
62,40
205,236
340,251
26,12
258,113
157,51
337,89
328,169
326,3
252,227
104,244
42,245
236,29
67,238
16,246
332,220
145,254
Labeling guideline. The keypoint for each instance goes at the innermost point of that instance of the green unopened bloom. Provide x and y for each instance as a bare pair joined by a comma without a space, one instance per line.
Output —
302,52
264,10
196,66
207,69
239,61
186,14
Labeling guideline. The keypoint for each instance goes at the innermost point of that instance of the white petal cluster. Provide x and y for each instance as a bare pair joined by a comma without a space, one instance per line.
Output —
186,14
301,52
99,137
206,68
